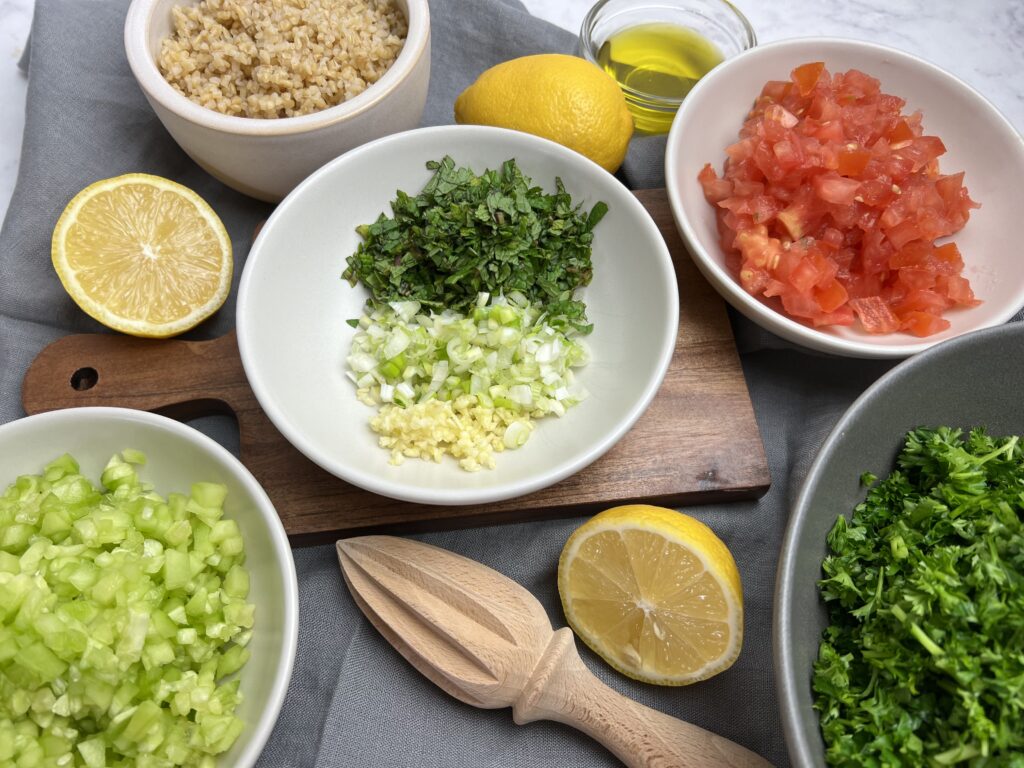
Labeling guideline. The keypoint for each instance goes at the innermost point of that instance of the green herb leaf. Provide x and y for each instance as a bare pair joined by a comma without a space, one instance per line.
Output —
922,662
466,234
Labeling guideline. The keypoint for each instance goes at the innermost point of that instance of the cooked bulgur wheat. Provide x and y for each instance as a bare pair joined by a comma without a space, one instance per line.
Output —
280,58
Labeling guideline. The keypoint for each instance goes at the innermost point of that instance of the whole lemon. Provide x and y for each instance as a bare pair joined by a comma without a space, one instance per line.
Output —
562,98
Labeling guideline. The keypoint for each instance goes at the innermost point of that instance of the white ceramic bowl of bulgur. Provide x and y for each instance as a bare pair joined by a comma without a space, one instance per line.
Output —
261,93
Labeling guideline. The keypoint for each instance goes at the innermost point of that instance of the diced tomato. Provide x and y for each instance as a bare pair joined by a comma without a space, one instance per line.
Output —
761,208
842,316
905,232
775,91
831,202
875,315
757,248
774,288
951,189
877,192
833,188
715,189
923,323
896,166
852,162
826,267
957,289
917,278
857,85
915,254
902,132
744,188
832,237
756,281
948,259
776,113
827,130
822,109
958,203
862,285
875,253
831,297
922,301
923,150
844,216
858,120
791,221
788,154
806,76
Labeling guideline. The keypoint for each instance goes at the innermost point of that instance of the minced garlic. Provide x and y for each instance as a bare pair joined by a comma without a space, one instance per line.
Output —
460,428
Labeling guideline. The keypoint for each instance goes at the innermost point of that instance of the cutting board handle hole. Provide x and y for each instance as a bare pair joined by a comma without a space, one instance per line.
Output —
84,378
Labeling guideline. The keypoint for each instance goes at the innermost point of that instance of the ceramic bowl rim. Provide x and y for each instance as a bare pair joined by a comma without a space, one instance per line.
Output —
143,66
262,728
457,496
725,283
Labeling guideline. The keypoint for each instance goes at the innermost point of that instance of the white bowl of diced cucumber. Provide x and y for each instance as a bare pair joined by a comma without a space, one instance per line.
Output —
148,601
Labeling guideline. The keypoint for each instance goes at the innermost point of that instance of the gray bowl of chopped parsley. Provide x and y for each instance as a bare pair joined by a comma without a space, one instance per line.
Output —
899,602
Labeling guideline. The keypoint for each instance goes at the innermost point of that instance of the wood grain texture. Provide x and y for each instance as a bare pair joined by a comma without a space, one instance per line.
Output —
698,441
487,641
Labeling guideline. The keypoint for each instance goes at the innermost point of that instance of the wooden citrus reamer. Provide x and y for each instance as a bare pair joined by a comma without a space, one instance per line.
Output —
488,642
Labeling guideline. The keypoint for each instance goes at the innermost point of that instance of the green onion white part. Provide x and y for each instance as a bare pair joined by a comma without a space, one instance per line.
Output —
504,354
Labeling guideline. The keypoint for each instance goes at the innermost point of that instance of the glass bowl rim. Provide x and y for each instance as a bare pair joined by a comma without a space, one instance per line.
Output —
747,40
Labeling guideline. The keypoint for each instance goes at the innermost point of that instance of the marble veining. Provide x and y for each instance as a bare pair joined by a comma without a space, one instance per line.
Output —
982,42
15,19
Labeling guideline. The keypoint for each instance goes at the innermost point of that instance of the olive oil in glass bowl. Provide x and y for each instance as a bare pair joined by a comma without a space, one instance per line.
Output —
657,51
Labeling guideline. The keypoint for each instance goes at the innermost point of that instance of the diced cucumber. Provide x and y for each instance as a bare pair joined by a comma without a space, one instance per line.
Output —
93,752
234,659
176,569
209,494
236,582
123,620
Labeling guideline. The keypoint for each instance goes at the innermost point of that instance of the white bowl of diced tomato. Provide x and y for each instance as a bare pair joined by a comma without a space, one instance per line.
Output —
849,197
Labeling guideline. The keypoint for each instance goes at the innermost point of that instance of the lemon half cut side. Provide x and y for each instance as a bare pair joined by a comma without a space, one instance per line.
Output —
655,593
143,255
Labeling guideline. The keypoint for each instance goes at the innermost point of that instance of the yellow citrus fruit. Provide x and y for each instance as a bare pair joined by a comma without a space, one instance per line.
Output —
562,98
655,593
143,255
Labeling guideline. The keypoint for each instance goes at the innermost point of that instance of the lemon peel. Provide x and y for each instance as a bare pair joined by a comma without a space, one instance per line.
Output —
562,98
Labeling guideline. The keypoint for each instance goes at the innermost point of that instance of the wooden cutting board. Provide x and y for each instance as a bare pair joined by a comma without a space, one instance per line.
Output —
698,441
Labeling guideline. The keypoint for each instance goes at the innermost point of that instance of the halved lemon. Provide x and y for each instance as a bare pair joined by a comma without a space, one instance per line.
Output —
655,593
143,255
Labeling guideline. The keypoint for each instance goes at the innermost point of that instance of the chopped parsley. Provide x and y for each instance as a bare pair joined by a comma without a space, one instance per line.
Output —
923,661
466,234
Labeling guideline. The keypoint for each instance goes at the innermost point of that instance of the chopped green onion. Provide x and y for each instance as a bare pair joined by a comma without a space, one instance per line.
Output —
504,354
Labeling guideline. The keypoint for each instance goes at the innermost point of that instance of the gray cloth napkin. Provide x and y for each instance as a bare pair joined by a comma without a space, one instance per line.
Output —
353,701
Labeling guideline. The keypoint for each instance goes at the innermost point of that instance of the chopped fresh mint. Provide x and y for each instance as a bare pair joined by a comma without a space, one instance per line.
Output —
467,234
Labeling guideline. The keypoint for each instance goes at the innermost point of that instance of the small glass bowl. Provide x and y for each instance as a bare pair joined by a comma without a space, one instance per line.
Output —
718,21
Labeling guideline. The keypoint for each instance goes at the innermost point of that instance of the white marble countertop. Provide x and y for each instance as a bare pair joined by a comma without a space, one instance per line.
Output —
982,42
15,20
